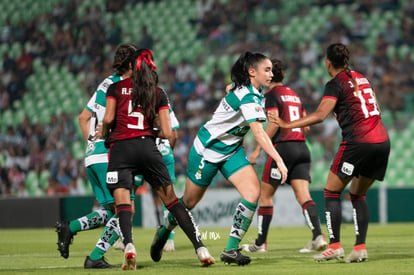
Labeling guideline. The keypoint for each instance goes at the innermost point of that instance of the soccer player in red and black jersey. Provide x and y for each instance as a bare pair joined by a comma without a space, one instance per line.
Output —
290,143
132,107
363,153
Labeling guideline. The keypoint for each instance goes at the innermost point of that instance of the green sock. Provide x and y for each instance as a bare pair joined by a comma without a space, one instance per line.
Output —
241,221
90,221
109,236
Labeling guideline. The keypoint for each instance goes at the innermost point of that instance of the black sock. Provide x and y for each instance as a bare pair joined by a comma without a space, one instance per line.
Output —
333,213
264,215
159,214
361,217
310,211
124,212
186,222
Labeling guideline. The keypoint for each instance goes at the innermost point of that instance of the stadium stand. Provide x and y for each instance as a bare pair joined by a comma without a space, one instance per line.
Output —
54,91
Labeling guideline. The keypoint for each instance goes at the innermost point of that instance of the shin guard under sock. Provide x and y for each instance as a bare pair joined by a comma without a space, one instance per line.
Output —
242,219
109,236
310,211
124,212
333,213
361,217
264,217
186,222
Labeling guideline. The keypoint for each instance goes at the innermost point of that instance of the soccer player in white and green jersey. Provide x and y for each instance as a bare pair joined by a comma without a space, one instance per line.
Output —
96,162
219,147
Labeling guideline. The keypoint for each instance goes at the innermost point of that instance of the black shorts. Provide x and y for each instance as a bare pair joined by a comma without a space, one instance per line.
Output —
296,156
362,159
136,156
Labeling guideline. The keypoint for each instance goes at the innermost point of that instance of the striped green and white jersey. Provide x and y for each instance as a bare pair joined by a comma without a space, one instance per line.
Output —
96,151
223,134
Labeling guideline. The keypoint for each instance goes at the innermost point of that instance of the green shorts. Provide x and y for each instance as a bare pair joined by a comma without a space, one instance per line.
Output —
202,172
97,177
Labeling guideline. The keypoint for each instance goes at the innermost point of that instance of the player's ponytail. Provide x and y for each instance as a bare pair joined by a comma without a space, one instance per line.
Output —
339,55
144,81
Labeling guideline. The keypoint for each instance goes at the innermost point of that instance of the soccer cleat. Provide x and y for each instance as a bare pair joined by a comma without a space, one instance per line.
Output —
129,257
357,256
65,238
204,256
330,254
158,244
119,245
316,245
100,263
255,248
234,256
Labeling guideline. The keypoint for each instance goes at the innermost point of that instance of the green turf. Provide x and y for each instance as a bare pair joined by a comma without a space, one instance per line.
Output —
33,251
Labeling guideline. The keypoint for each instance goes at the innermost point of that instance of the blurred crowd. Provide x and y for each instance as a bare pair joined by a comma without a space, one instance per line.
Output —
85,44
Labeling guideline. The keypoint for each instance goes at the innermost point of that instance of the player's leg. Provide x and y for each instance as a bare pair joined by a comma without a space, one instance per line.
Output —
66,230
358,189
264,218
187,224
169,161
109,236
119,182
333,188
161,181
310,212
122,196
242,175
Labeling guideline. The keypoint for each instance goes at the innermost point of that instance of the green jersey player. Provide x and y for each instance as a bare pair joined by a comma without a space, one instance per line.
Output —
219,147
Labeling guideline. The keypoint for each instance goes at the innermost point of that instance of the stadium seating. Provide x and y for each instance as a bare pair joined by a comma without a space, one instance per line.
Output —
176,40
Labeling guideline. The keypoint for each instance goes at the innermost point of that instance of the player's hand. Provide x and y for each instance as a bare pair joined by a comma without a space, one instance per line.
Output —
282,169
98,132
277,120
253,156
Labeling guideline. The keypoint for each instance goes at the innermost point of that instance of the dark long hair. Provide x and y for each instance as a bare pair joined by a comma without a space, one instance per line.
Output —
240,70
144,83
278,70
339,55
124,55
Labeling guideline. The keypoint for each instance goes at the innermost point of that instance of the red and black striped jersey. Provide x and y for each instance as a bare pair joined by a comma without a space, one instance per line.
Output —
357,113
289,105
130,123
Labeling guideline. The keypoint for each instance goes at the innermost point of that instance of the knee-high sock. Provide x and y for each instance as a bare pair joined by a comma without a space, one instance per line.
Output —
90,221
159,214
264,217
186,222
241,221
169,220
333,213
109,236
310,211
124,212
361,217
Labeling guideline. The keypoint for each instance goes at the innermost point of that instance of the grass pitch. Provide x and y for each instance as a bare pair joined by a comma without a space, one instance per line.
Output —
34,251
